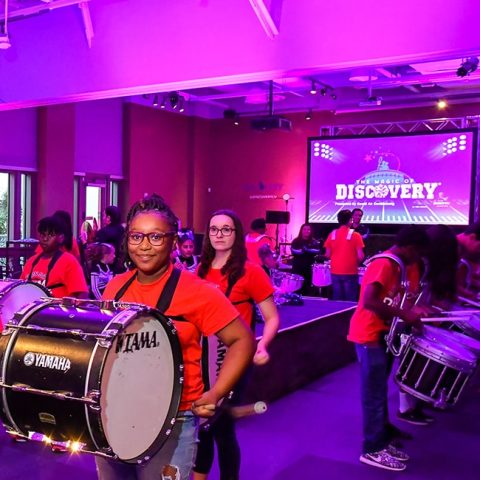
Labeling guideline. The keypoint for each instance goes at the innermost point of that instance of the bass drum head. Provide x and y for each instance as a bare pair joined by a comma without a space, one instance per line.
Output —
15,294
141,388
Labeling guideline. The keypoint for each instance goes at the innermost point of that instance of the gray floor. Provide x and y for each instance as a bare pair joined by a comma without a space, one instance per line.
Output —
313,433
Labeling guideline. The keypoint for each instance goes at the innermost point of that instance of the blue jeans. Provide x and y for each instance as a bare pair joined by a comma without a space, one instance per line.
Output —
345,287
178,451
375,366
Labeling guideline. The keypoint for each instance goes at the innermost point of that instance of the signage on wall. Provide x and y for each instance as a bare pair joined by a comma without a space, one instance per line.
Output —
263,190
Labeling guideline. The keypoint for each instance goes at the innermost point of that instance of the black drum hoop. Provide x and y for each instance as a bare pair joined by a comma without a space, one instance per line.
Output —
95,370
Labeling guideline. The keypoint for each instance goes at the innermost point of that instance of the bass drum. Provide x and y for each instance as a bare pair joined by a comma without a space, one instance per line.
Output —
109,379
15,294
436,373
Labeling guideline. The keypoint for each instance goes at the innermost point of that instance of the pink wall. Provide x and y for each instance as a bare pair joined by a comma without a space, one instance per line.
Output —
245,166
56,155
158,157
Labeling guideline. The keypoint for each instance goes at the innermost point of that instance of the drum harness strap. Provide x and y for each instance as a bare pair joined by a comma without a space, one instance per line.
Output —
165,298
52,263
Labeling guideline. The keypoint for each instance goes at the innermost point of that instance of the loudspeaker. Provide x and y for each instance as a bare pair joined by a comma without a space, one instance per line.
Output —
277,217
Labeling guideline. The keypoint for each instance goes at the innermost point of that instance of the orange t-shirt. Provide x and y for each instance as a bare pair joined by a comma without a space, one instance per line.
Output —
254,285
66,271
204,307
367,326
253,241
344,259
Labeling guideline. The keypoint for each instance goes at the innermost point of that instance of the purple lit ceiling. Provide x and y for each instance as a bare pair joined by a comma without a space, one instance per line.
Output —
220,59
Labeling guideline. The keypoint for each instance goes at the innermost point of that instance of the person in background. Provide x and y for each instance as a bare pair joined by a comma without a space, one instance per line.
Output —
304,249
344,247
256,239
70,243
54,268
357,215
224,263
113,233
85,238
267,257
197,309
380,296
184,257
468,285
100,257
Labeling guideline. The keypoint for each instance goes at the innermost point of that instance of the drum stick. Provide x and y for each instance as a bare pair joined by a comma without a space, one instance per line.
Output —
442,319
256,408
468,301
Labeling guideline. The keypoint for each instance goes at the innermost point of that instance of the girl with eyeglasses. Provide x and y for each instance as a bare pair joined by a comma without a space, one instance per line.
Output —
197,309
224,263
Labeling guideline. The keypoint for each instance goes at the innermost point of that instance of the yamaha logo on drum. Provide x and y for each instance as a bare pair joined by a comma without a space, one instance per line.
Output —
131,342
54,362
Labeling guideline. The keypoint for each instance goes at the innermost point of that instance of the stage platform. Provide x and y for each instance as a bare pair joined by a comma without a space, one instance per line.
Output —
311,342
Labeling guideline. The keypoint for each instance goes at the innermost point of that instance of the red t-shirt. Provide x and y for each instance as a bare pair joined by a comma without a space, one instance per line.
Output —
254,285
344,259
66,271
253,241
204,307
367,326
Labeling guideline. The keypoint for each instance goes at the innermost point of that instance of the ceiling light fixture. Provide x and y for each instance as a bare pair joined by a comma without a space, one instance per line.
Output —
174,99
181,105
4,38
441,103
467,67
308,115
313,89
164,103
155,101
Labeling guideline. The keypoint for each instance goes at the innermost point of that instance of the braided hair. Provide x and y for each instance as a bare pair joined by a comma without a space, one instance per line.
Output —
234,268
150,203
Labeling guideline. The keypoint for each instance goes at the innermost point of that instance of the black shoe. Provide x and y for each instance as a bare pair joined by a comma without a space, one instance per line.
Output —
414,417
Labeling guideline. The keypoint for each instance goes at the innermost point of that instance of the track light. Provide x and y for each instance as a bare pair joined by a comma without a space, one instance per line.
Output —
334,97
164,103
308,115
181,105
441,103
467,67
155,101
236,120
323,92
174,99
313,89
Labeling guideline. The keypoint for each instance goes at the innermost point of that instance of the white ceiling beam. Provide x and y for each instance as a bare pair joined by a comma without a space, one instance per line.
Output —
265,17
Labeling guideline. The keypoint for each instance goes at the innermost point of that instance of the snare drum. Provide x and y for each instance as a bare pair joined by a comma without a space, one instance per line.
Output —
286,282
15,294
440,335
321,276
435,373
470,327
109,379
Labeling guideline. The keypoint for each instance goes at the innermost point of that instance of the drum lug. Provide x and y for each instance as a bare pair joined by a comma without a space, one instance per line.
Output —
442,399
94,396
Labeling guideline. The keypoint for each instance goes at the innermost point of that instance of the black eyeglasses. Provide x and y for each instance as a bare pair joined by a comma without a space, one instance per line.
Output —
156,239
226,231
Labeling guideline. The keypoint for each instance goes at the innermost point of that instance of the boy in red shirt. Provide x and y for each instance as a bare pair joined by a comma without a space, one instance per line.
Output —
379,303
55,269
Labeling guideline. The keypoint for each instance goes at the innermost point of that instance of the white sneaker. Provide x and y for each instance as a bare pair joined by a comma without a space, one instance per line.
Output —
383,459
